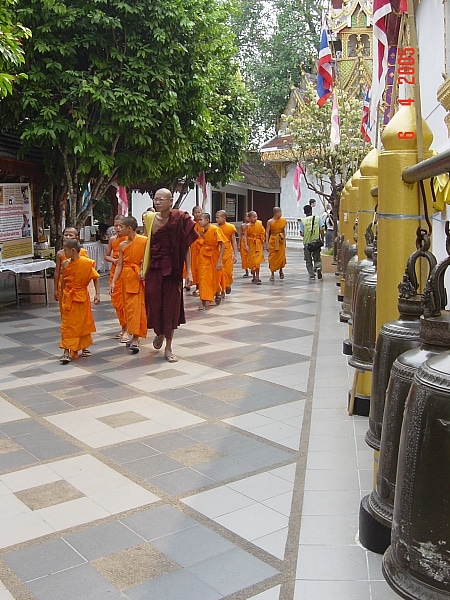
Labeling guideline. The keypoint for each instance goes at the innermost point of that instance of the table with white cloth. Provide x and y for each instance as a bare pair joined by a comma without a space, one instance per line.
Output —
97,251
28,266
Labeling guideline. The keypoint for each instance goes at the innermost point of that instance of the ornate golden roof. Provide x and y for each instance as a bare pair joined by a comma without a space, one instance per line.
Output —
339,18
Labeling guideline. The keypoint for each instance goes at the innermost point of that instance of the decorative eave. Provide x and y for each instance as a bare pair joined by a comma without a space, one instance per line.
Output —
339,18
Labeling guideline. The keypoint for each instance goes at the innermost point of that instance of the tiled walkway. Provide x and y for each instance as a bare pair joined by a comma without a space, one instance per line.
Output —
235,473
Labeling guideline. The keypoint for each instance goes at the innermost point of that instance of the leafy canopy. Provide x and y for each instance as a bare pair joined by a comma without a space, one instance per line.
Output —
11,51
133,91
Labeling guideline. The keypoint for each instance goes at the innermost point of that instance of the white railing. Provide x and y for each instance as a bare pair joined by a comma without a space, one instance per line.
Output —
292,229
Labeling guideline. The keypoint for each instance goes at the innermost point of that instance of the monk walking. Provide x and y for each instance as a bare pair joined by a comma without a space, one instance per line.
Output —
230,252
210,261
242,249
170,235
69,233
254,237
112,256
77,322
129,269
195,250
276,243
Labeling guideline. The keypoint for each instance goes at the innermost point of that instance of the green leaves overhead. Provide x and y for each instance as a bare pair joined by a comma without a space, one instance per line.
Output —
136,90
11,51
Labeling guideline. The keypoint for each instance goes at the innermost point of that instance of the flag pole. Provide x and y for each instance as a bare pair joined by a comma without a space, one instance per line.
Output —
416,86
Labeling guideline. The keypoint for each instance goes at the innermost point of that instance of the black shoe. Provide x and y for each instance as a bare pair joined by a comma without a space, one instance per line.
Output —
319,273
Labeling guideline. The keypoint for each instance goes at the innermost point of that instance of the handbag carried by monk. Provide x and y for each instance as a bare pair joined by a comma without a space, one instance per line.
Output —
316,244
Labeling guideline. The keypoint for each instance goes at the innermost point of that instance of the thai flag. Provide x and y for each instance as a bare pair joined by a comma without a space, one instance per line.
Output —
381,8
324,74
365,123
335,133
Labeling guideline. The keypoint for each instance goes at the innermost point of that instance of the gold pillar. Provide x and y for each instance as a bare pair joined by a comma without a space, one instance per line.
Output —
400,209
367,203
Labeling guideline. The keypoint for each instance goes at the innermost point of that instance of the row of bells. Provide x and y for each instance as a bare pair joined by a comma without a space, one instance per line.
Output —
407,515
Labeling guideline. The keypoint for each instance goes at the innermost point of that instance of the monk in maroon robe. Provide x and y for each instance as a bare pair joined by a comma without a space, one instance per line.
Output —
170,234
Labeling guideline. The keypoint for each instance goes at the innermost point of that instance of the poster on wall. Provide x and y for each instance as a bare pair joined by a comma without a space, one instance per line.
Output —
230,206
16,231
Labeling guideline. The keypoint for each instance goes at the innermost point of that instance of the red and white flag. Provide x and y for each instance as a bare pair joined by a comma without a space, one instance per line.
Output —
122,200
365,123
201,182
381,8
299,171
335,133
324,71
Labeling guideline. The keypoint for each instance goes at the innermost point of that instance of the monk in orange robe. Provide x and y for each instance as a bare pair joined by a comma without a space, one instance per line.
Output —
129,266
210,261
254,238
195,250
276,243
77,322
242,248
230,252
69,233
112,256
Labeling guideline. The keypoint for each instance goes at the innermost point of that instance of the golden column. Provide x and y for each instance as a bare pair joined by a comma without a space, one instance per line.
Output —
367,203
400,210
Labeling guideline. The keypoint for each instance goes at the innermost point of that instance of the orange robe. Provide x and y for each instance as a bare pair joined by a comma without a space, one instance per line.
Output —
226,278
133,287
117,297
242,249
77,322
208,275
195,250
256,234
277,245
65,261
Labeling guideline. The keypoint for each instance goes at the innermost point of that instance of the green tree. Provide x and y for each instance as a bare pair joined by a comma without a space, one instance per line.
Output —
277,40
128,91
11,51
327,168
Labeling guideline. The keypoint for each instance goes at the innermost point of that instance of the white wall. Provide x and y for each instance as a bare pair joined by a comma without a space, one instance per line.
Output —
430,33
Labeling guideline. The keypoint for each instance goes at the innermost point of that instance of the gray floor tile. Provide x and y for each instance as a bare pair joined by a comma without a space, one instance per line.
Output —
20,428
177,394
337,590
158,522
103,540
381,591
210,407
79,583
232,571
129,452
332,563
153,465
175,586
208,432
192,546
43,559
45,444
168,442
15,460
182,481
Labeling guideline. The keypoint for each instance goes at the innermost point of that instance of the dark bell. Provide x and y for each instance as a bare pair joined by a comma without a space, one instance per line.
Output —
364,324
395,338
346,313
417,564
435,339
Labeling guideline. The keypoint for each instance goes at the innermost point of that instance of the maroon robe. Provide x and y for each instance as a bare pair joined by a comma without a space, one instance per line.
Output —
164,276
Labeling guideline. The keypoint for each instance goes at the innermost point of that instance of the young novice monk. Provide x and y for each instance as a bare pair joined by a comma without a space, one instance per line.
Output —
230,252
276,243
210,260
131,255
242,249
69,233
254,237
77,322
112,256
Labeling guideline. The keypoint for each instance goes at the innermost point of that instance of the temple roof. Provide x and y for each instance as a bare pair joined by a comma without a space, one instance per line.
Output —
258,174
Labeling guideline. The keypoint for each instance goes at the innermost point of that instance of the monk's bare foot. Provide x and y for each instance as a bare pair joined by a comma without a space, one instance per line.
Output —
272,277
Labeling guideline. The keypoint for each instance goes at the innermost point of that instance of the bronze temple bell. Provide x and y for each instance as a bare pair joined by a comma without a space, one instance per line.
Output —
417,564
435,339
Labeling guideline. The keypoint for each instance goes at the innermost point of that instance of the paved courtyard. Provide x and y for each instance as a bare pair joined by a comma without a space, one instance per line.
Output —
235,473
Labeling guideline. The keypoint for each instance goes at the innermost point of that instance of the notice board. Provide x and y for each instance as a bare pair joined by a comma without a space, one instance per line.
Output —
16,229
